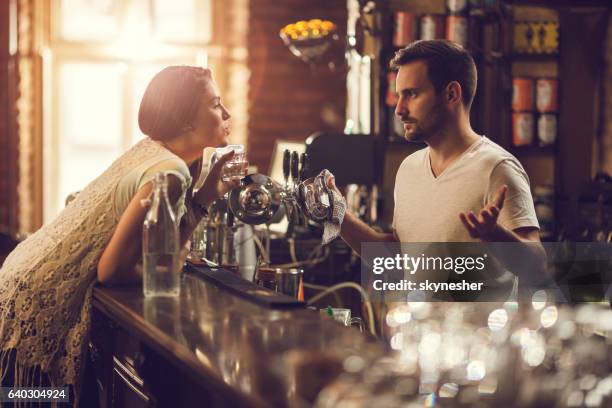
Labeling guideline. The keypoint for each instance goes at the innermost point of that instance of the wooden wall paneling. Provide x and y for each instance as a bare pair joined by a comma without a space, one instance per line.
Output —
4,111
28,110
9,78
287,98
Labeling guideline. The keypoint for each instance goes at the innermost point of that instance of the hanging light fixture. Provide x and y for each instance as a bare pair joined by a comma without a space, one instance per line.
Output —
309,40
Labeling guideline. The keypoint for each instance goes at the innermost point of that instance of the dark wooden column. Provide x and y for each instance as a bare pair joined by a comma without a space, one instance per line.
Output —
582,65
8,119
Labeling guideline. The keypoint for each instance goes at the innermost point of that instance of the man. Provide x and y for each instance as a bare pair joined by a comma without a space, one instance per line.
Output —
462,187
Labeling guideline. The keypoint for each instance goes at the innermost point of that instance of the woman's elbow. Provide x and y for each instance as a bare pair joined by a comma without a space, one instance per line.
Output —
119,275
106,272
103,276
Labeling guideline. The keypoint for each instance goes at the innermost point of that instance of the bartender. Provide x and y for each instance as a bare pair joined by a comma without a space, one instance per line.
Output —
462,187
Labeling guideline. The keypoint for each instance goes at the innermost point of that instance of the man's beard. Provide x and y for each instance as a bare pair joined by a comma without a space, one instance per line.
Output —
423,130
417,133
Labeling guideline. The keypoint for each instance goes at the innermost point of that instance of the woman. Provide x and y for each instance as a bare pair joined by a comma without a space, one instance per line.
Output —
46,282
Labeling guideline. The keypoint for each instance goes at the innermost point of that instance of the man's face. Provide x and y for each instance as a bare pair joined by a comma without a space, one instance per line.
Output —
421,110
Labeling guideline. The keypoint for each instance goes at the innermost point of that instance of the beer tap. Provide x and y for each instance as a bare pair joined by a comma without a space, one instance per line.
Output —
290,200
286,168
295,171
303,166
302,173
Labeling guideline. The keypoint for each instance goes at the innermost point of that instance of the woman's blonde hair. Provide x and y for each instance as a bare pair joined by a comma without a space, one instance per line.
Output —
171,101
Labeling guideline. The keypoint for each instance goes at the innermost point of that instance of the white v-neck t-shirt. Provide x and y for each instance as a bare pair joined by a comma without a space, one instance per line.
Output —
427,208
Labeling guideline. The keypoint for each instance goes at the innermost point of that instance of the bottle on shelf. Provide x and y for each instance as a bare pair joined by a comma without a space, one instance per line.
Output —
404,28
160,244
522,111
457,22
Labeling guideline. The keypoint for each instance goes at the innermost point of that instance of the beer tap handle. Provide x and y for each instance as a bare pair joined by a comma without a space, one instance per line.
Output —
303,166
286,165
295,163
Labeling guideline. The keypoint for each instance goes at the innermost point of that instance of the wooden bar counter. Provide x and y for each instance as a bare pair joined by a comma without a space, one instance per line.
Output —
210,347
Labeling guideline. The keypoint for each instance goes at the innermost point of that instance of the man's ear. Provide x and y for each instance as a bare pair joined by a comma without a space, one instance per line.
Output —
453,92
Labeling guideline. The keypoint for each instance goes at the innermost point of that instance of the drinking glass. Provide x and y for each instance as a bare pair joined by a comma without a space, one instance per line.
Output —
343,316
235,168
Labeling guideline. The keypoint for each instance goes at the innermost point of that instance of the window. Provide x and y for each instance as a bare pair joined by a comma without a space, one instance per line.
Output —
101,55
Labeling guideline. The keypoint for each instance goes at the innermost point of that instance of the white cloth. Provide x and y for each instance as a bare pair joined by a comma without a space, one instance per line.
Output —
331,228
427,208
46,282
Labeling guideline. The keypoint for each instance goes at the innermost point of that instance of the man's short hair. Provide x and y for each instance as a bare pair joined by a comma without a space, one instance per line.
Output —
445,61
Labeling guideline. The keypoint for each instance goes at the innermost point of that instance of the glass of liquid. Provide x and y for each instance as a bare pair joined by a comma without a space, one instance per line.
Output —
161,244
162,275
236,167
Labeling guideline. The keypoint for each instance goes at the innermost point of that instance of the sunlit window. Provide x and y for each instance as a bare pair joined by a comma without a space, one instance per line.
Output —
177,21
102,55
90,122
88,20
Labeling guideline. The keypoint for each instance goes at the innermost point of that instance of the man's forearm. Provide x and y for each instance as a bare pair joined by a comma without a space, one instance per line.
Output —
354,232
528,261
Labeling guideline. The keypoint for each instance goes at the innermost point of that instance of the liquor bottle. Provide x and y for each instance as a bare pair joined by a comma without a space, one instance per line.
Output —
160,244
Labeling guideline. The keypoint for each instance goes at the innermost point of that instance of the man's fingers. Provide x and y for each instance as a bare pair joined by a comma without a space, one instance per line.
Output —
487,217
474,220
465,221
479,225
480,217
468,226
331,182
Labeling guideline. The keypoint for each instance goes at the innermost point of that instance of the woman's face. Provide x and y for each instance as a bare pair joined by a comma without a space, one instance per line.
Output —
211,123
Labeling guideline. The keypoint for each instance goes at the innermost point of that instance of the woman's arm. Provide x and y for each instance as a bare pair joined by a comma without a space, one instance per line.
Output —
118,261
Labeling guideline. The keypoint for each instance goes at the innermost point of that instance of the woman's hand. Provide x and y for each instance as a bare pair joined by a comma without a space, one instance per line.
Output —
213,187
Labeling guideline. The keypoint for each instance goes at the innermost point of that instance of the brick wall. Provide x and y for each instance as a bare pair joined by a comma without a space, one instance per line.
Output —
287,99
606,141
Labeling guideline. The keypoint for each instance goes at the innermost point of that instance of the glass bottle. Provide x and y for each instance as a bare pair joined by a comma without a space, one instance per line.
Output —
160,244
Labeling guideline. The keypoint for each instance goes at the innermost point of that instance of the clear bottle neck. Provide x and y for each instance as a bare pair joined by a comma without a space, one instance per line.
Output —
160,203
160,184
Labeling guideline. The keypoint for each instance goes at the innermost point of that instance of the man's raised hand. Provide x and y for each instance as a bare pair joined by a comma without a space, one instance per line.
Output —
484,224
